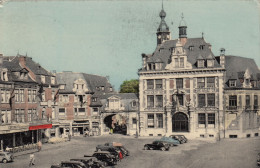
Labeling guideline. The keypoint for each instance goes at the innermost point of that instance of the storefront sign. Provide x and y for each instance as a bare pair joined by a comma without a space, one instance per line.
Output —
36,127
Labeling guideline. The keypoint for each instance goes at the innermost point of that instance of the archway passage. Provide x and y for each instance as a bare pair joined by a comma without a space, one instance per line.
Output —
180,123
117,123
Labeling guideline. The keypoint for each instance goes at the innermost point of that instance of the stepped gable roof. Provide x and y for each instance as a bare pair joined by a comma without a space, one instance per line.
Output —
163,51
236,66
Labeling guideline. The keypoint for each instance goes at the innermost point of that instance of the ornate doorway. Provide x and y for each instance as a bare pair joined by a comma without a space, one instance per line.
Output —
180,123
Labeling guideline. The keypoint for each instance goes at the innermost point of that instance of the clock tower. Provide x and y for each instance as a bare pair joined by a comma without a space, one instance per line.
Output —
163,32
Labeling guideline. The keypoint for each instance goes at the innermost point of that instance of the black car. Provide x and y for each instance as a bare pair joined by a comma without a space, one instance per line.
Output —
156,145
66,164
105,157
90,162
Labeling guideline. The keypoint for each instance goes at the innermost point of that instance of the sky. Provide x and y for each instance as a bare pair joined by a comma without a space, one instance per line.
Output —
108,37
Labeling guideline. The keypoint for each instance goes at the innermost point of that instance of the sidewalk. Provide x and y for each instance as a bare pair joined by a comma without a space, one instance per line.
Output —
45,147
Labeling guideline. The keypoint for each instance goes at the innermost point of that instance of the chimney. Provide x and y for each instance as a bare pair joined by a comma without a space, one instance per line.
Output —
22,60
1,59
144,56
222,57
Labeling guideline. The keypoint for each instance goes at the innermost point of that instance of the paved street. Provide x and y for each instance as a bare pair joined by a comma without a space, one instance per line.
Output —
239,153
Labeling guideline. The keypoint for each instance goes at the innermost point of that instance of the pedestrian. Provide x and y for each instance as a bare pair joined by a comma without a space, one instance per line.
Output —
120,156
32,160
39,145
69,136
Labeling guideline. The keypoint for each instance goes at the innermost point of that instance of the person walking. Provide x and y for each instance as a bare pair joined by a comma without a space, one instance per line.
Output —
32,160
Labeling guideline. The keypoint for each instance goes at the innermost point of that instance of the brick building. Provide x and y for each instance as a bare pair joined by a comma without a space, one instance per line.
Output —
78,102
24,114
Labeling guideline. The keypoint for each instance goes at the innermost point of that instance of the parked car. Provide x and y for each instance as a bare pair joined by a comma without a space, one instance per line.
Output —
6,157
124,151
170,141
71,164
105,157
107,145
90,162
157,145
180,138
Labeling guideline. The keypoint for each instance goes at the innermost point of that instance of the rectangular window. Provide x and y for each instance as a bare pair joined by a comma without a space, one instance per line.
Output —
43,96
211,118
181,62
61,111
16,115
200,63
159,120
233,101
201,100
16,93
150,120
176,60
150,101
29,115
158,83
255,101
179,83
2,96
211,82
180,99
150,84
247,101
232,83
65,98
52,95
159,101
211,99
21,95
34,96
201,118
52,80
43,79
81,111
53,113
201,82
7,96
29,96
134,122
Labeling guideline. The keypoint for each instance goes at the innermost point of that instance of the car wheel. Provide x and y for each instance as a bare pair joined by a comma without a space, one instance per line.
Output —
4,161
105,164
163,149
146,148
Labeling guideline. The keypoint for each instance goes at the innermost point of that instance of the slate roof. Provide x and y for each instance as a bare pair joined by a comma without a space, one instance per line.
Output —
92,81
236,67
163,51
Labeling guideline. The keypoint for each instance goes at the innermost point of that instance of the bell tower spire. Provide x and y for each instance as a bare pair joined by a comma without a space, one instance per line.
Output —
182,30
163,32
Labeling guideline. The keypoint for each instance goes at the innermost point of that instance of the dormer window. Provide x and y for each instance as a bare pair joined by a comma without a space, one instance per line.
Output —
191,48
97,88
151,66
102,88
134,103
94,99
111,89
179,62
42,79
52,80
202,47
232,83
200,63
210,63
4,76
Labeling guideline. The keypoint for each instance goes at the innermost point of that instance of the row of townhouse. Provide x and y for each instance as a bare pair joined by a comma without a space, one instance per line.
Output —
185,89
26,101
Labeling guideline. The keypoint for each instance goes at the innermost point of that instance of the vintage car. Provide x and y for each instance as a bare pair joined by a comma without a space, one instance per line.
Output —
6,157
124,151
157,145
89,162
74,164
105,157
107,145
169,140
181,138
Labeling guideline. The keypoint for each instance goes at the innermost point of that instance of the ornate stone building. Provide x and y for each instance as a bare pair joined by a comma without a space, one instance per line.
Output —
181,87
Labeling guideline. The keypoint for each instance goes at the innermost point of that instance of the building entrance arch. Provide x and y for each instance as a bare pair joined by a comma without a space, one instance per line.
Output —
117,123
180,122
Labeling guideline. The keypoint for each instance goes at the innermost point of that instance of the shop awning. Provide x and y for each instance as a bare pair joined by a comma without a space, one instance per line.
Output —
44,126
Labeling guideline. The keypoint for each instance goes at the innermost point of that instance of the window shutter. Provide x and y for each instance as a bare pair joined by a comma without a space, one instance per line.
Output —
171,83
187,83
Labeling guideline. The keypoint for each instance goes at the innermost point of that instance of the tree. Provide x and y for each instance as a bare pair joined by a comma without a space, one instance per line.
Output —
130,86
